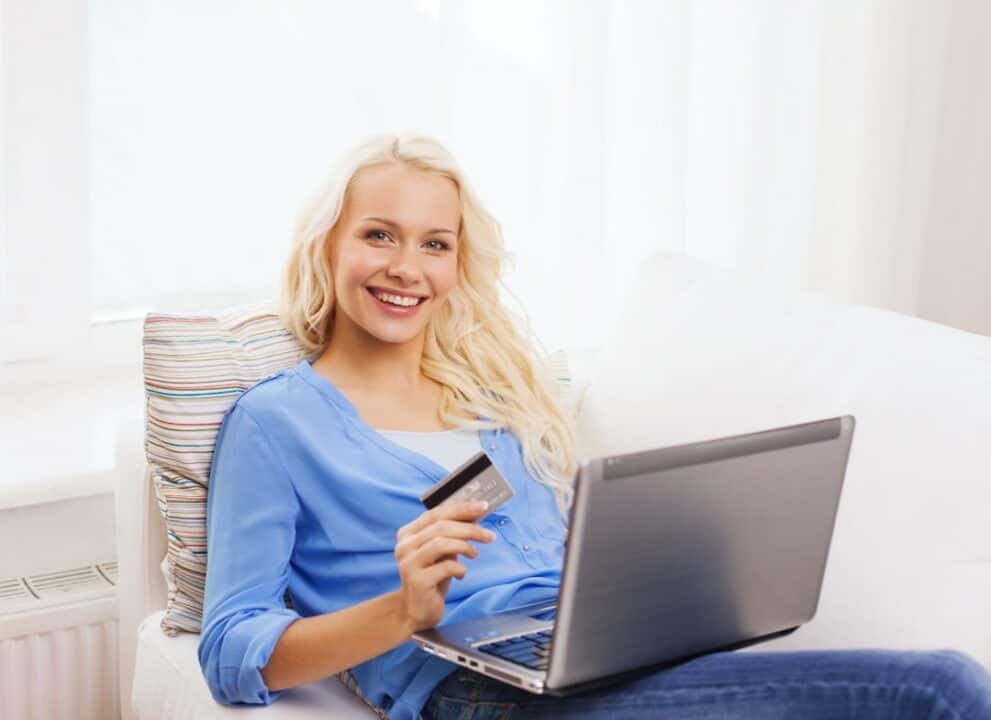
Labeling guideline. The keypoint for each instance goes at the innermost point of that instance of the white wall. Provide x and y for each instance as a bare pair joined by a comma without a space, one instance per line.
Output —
155,154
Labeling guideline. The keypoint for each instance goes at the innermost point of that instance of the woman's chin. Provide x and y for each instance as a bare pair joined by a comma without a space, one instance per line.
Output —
396,335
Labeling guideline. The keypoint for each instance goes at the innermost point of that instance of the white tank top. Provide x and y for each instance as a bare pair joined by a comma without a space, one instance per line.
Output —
447,448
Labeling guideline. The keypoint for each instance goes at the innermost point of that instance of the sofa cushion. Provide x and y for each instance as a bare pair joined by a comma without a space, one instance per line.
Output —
699,352
168,683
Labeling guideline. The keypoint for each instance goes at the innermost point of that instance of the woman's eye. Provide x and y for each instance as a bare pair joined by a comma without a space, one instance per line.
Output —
382,235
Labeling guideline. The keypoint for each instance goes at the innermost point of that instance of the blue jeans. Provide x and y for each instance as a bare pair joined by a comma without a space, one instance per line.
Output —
805,685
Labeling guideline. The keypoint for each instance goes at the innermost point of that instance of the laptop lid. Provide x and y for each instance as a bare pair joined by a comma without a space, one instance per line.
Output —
685,549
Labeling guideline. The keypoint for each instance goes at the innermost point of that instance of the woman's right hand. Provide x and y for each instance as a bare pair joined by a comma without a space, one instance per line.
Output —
426,552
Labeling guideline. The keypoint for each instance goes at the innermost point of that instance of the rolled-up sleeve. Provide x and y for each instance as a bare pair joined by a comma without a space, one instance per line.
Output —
252,509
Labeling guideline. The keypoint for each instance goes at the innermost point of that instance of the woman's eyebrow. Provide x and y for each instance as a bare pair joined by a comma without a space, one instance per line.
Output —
395,226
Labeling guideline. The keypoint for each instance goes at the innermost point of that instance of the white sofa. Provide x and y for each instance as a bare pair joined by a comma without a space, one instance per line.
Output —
700,353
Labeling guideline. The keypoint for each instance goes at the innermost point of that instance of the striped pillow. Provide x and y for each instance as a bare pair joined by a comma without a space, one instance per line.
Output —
195,366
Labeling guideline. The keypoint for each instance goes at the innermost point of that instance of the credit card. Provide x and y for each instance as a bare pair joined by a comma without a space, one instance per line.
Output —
477,478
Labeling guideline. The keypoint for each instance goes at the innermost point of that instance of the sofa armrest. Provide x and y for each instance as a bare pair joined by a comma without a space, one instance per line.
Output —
141,547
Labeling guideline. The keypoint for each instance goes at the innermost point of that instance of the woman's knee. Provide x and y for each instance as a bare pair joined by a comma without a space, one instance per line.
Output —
957,678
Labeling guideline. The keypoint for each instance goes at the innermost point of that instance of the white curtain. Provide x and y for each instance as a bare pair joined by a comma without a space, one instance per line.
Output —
838,146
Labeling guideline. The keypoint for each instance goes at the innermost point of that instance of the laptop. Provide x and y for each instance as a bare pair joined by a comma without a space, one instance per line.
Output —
672,553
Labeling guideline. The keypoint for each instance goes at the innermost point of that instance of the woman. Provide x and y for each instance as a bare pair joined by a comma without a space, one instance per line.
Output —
413,364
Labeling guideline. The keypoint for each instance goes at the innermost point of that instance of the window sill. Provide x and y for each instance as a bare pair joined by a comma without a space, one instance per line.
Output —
58,439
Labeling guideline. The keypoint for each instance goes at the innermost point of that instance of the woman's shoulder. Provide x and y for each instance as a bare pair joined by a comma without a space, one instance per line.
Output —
271,396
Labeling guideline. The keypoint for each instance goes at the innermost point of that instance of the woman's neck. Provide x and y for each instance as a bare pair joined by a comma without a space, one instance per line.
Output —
394,370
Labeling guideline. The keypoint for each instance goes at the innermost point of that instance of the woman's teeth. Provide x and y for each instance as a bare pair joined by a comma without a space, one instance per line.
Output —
396,299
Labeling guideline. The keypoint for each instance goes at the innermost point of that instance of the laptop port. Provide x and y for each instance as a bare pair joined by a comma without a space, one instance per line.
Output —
461,658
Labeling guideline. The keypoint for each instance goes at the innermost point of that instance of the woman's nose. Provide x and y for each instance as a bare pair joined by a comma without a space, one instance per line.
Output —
404,263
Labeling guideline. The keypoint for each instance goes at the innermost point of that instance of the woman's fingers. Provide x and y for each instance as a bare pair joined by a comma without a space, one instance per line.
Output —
438,548
445,528
443,525
435,574
447,511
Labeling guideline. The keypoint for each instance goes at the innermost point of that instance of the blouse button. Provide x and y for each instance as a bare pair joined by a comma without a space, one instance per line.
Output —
526,547
502,521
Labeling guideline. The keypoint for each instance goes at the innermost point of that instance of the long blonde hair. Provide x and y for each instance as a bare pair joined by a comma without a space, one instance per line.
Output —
488,367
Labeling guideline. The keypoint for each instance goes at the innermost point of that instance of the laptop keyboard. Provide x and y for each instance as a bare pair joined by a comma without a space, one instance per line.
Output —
531,650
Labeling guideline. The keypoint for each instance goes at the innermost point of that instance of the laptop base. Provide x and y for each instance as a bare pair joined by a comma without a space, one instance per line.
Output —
630,675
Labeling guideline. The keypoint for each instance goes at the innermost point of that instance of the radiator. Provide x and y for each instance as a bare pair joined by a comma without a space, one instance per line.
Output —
58,645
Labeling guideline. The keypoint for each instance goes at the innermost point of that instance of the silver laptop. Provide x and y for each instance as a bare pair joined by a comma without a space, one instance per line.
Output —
672,553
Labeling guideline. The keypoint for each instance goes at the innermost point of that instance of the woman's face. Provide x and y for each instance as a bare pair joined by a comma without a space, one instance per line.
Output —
396,239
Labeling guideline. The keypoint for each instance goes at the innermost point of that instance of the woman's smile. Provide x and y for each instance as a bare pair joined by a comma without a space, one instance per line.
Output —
394,254
391,304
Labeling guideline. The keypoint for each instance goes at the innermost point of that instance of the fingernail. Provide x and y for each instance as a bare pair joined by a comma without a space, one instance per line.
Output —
490,535
481,505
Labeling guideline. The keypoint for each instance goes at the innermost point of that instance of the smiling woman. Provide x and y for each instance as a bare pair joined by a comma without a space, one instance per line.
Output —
392,289
399,217
387,246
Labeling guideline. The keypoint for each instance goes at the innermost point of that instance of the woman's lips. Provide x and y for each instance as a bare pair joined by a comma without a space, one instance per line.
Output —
396,310
389,291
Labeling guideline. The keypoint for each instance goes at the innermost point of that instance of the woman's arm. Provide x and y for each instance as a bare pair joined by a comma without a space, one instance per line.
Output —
322,645
316,647
252,512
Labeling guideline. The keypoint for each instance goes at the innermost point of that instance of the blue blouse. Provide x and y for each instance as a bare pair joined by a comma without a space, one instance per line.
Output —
305,495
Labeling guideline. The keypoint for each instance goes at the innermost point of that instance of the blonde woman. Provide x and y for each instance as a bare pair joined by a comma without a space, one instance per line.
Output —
413,365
